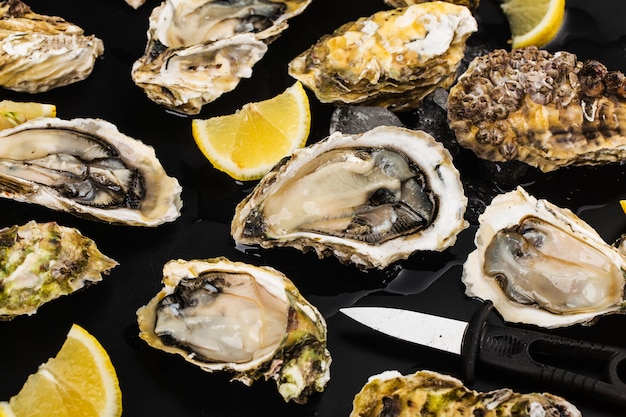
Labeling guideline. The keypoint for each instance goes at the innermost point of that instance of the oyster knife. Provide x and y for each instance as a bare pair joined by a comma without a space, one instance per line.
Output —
520,352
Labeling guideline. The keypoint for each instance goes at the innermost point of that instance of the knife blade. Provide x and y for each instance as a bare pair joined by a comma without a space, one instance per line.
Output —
551,360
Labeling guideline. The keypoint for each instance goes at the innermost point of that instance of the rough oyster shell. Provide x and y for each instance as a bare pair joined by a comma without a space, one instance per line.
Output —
369,199
393,58
471,4
540,264
42,262
547,110
39,53
198,50
88,168
432,393
210,311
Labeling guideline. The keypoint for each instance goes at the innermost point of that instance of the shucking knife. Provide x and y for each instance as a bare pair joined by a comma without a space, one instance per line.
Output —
521,352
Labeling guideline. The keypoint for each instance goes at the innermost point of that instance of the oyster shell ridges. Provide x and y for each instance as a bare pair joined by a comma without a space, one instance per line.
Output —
40,53
393,58
547,110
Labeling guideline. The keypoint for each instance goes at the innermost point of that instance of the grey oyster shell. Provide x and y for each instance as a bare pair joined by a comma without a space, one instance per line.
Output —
368,199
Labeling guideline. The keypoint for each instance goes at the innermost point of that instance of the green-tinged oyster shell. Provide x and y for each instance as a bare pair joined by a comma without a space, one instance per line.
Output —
427,393
43,261
248,320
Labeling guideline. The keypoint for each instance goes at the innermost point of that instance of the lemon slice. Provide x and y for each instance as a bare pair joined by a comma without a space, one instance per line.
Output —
248,143
533,22
79,381
12,113
622,204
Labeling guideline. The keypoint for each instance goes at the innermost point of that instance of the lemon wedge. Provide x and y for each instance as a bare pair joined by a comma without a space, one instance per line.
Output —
533,22
248,143
12,113
79,381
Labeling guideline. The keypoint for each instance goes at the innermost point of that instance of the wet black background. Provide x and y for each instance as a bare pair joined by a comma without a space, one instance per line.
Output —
159,384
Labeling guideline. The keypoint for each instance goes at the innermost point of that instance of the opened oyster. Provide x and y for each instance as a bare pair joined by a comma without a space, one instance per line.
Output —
547,110
393,58
39,53
42,262
248,320
369,199
430,393
88,168
541,264
200,49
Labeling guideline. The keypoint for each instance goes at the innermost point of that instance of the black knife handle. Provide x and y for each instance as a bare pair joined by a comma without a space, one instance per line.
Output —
542,357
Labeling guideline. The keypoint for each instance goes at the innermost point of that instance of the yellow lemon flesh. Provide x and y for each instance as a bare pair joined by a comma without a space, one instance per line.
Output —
248,143
13,113
533,22
79,381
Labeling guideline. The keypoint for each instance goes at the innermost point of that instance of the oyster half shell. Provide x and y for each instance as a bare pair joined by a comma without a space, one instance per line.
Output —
541,264
547,110
434,394
42,262
39,53
369,199
248,320
393,58
86,167
198,50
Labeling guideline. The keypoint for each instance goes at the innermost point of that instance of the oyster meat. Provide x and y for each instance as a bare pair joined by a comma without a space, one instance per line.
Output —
42,262
393,58
39,53
88,168
198,50
547,110
428,393
369,199
248,320
541,264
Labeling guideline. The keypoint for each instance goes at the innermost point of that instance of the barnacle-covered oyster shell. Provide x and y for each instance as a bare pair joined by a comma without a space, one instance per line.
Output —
547,110
248,320
434,394
198,50
39,53
541,264
368,199
42,262
88,168
393,58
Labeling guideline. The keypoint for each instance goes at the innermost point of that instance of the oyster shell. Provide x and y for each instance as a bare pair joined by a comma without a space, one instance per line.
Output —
88,168
248,320
42,262
369,199
471,4
547,110
431,393
541,264
198,50
393,58
39,53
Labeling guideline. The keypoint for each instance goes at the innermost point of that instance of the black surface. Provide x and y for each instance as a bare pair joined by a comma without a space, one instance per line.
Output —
158,384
